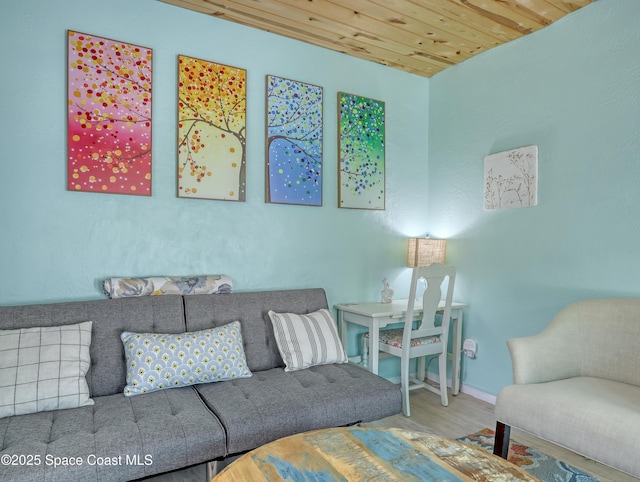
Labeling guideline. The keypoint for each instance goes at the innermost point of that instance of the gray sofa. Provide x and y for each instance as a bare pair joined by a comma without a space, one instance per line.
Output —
126,438
577,383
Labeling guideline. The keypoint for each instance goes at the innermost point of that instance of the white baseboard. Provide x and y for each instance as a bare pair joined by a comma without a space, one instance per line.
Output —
473,392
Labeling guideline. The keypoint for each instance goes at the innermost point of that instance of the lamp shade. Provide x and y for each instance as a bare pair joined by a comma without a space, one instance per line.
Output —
425,251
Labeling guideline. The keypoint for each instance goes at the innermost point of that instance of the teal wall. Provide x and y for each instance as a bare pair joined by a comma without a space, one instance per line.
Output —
574,90
59,245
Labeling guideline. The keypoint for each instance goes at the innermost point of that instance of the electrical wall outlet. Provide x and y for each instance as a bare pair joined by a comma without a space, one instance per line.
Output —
470,348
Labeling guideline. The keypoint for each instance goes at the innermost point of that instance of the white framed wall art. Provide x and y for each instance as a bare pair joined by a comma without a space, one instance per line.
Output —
511,179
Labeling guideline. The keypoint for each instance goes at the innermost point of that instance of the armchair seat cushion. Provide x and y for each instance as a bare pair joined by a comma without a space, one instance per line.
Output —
595,417
393,337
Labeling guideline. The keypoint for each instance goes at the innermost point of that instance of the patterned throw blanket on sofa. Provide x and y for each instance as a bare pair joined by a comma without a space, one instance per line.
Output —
166,285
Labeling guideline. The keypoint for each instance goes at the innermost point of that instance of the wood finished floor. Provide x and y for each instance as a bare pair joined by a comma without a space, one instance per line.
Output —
464,415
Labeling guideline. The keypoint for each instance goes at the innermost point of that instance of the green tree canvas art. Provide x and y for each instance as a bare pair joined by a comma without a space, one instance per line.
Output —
361,148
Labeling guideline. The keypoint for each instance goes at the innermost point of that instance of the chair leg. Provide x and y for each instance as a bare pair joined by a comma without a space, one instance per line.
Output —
442,359
422,373
501,444
404,385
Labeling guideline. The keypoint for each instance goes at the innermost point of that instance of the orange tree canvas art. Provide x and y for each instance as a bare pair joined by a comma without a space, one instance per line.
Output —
211,130
109,116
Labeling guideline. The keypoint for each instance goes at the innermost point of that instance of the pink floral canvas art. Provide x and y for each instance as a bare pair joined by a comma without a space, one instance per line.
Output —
109,116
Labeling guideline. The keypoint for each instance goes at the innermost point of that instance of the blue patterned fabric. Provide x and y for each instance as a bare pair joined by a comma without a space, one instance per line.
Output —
156,361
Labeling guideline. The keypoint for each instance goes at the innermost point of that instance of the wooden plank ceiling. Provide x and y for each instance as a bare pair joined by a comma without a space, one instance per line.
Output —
418,36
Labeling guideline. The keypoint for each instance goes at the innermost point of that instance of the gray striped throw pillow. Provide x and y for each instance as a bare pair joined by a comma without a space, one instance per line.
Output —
307,340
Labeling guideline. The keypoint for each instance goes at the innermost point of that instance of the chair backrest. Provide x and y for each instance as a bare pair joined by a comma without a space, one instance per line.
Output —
435,276
598,338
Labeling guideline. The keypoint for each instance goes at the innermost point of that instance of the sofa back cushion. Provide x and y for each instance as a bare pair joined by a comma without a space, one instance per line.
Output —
251,310
110,318
608,334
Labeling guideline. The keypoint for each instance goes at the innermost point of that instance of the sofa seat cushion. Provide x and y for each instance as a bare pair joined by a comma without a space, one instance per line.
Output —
594,417
274,403
138,436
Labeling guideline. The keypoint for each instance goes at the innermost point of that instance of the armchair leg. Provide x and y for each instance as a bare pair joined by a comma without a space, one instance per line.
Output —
501,445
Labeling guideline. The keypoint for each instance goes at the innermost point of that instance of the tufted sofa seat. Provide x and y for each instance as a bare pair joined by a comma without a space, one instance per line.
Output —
172,427
126,438
274,403
254,413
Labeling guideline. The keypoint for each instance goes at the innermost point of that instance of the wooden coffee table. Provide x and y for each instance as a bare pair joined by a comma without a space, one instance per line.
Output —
356,453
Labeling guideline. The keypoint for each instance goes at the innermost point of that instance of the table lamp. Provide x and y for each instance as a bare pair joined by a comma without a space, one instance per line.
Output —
425,251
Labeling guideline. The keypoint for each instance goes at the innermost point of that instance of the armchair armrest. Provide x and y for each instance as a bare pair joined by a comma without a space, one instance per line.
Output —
552,354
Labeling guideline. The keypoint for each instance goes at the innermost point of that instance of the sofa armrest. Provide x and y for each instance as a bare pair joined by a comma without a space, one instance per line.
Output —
552,354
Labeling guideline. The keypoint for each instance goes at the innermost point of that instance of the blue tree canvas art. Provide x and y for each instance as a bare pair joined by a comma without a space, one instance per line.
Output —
294,142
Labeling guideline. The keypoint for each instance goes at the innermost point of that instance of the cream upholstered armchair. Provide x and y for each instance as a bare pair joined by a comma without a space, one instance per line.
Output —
577,383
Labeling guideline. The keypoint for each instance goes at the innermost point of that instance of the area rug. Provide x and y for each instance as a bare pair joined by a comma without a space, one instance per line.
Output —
544,467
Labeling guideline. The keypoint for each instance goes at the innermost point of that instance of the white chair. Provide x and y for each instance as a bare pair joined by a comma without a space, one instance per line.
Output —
428,339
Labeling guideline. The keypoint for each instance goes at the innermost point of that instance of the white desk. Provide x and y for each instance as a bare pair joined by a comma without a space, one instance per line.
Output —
376,315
